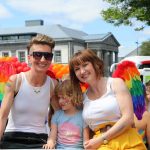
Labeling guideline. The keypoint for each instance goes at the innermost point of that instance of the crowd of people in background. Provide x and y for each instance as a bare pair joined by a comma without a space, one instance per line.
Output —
100,118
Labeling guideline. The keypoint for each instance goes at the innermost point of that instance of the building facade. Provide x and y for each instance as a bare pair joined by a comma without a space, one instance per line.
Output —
13,42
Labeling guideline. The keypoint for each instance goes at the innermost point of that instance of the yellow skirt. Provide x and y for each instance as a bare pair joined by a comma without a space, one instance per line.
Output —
129,140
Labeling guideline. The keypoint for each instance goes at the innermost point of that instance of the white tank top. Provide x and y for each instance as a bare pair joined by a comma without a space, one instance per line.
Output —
29,109
102,110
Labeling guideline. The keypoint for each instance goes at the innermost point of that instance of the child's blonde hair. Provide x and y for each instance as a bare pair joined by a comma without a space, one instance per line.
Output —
65,89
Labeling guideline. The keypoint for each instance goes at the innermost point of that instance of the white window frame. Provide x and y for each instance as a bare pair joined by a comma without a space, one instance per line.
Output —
26,54
9,53
55,57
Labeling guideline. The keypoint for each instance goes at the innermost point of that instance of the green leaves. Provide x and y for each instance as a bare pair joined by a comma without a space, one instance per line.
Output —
145,48
126,11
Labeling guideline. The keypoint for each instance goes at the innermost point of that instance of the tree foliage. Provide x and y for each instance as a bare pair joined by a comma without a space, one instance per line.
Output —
126,11
145,48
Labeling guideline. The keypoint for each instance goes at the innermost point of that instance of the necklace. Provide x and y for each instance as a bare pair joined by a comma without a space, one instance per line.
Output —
37,90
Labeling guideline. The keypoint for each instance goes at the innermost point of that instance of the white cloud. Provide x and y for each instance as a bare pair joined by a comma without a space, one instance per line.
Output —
4,13
81,11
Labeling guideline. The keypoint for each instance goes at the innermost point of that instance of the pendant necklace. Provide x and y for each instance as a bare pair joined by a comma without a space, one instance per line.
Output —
37,90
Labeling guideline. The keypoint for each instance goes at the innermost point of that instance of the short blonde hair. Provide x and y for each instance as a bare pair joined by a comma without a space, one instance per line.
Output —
41,39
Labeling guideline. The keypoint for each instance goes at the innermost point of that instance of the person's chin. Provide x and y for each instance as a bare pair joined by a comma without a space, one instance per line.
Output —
42,70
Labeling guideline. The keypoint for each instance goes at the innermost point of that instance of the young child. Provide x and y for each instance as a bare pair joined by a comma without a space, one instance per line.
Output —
68,130
143,125
147,85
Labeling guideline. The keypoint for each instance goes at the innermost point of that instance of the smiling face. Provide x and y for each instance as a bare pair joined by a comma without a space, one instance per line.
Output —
85,72
65,102
40,65
94,68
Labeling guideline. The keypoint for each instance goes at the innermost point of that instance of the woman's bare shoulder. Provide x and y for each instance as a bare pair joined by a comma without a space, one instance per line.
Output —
118,84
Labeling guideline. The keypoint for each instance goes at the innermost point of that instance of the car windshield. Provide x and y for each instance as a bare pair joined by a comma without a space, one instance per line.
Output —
144,66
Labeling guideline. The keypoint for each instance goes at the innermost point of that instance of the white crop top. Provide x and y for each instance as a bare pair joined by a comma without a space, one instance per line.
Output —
29,109
102,110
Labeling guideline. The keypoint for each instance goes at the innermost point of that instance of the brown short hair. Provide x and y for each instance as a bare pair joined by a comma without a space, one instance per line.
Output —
41,39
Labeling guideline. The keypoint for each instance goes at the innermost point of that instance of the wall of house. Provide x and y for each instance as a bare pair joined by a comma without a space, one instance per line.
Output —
77,48
64,53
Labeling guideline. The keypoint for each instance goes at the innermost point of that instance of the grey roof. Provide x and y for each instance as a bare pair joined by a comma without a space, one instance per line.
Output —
99,37
58,32
55,31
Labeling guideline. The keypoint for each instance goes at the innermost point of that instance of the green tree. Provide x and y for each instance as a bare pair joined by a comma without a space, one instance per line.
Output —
145,48
126,11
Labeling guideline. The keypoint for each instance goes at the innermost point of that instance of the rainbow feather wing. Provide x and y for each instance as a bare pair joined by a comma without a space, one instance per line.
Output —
130,74
6,69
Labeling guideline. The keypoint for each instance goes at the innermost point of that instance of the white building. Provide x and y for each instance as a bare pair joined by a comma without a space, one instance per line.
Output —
13,42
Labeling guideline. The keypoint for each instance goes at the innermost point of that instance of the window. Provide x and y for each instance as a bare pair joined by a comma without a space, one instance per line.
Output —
13,37
57,56
141,66
5,53
22,55
22,37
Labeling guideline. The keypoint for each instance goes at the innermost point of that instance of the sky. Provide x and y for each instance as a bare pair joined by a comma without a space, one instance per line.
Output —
82,15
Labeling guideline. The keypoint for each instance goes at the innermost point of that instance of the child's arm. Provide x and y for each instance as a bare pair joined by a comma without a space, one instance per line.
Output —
52,138
148,128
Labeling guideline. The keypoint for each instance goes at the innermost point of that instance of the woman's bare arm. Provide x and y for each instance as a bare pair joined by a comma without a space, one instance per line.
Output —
7,103
127,116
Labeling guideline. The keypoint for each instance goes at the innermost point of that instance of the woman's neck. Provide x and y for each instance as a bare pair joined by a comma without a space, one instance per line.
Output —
36,79
97,89
98,85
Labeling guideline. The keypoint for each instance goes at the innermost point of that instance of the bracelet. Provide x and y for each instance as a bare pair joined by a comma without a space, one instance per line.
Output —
105,141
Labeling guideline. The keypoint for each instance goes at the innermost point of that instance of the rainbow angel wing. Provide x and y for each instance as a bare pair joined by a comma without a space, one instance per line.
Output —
6,69
127,71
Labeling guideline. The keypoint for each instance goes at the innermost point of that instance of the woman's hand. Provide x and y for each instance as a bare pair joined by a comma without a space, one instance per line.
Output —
94,143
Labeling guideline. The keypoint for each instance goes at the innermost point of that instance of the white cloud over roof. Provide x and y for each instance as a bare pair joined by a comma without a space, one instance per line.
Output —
76,10
4,13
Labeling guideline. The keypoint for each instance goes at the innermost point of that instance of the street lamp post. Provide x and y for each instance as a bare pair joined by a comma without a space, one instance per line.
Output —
137,47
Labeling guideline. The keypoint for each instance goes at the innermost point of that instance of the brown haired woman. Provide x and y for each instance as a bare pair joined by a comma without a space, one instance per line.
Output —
107,103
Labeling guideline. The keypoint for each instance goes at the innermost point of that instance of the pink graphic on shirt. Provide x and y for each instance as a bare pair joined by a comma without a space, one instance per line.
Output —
68,133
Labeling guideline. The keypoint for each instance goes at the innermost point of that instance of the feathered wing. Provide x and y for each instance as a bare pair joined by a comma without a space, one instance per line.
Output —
131,76
6,70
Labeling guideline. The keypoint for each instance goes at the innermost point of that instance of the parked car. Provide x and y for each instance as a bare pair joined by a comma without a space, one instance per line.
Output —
141,62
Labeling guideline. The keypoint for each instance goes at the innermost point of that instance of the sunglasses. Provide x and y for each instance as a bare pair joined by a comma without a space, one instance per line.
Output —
39,55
